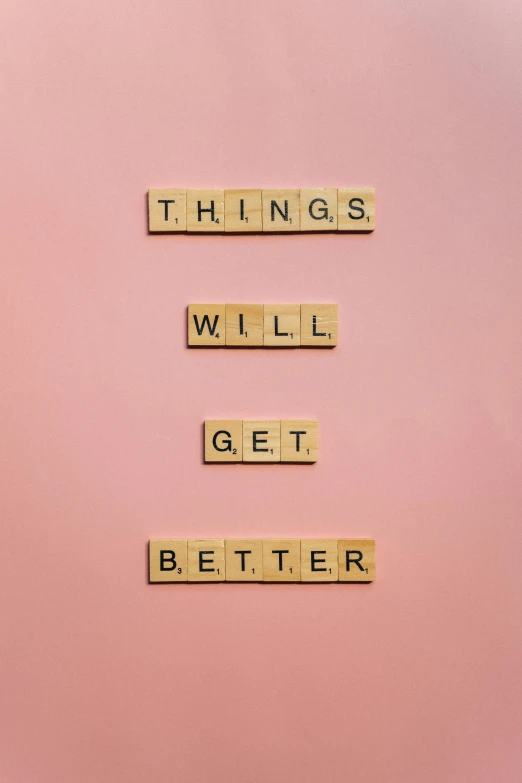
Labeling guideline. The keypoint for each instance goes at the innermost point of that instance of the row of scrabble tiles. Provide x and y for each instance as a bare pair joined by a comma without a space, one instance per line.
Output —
257,325
231,440
262,560
255,211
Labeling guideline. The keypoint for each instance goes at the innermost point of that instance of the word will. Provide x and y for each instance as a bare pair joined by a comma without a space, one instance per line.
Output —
261,441
255,211
257,325
262,560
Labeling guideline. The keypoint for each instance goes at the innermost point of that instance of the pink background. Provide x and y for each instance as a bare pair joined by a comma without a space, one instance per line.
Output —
413,679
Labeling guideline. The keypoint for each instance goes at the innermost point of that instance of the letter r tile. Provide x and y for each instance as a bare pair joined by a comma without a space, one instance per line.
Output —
356,560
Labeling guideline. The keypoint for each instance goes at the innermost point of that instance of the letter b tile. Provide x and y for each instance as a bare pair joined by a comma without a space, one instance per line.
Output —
168,560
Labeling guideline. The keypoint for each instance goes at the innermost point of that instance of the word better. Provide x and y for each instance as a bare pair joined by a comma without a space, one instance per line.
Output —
262,560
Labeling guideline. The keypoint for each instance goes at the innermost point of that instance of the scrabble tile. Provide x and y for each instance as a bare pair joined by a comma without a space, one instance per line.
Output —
206,560
356,560
281,560
244,559
206,210
280,210
168,560
244,325
318,207
319,560
206,325
261,441
243,210
282,326
224,440
319,325
298,441
167,209
356,209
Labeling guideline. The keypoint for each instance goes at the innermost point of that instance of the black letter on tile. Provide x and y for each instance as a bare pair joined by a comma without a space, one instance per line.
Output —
353,205
170,560
280,552
356,560
297,434
228,443
314,333
274,205
314,559
211,210
256,441
243,552
166,201
201,561
277,333
206,322
322,210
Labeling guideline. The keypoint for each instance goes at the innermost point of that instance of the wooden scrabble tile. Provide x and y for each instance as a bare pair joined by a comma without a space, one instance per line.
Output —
280,210
318,207
224,440
319,560
298,441
281,560
243,210
168,560
206,210
244,324
244,559
206,560
282,326
319,325
206,325
167,209
356,209
261,441
356,560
